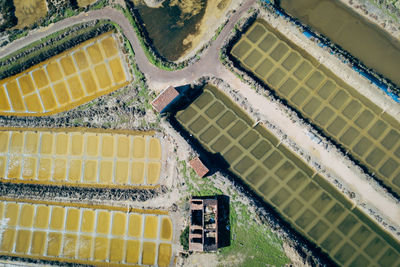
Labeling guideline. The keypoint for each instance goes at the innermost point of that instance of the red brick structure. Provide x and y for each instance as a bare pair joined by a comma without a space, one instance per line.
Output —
203,228
199,167
164,98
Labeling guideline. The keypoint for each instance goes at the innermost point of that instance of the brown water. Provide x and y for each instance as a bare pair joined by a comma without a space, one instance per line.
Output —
170,24
364,40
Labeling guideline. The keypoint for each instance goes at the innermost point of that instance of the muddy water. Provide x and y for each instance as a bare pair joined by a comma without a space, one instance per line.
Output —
364,40
169,24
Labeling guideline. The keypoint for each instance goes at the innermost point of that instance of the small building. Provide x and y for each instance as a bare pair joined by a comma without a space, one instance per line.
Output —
203,228
199,167
164,99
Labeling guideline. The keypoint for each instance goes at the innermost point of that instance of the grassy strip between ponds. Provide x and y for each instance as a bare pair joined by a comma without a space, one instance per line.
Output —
13,63
252,243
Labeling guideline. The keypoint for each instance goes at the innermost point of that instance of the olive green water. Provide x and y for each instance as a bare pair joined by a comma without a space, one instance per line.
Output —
168,25
361,127
364,40
303,198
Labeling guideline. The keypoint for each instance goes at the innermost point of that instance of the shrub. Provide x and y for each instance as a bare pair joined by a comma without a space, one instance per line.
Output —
185,238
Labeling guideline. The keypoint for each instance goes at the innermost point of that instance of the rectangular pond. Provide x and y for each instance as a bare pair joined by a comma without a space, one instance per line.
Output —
301,196
368,133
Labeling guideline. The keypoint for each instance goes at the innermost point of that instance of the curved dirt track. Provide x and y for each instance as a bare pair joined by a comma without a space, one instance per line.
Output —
207,65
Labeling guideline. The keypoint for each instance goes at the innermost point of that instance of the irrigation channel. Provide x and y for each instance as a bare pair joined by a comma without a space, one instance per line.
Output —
311,205
368,133
372,46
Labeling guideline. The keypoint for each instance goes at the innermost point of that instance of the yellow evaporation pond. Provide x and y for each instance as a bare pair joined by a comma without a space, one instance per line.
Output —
40,78
26,216
81,60
31,143
92,145
14,167
45,169
103,222
48,98
119,223
15,96
38,243
73,220
137,172
42,217
33,103
4,104
75,170
26,84
88,218
106,172
123,147
102,76
122,172
166,229
54,71
23,241
12,210
155,149
117,70
75,87
17,142
116,250
139,144
62,93
85,245
135,225
7,240
89,82
46,144
148,253
101,248
67,65
108,146
4,140
90,171
151,226
54,244
29,168
60,169
109,46
69,245
57,218
77,145
62,144
3,163
95,53
132,251
164,254
153,172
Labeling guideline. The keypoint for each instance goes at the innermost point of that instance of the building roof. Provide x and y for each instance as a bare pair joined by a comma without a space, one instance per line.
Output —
203,227
164,98
199,167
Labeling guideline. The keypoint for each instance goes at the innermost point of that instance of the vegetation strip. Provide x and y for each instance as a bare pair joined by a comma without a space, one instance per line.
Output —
303,198
365,130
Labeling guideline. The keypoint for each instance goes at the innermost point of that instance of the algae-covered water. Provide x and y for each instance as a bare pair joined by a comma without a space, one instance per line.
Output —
170,24
364,40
